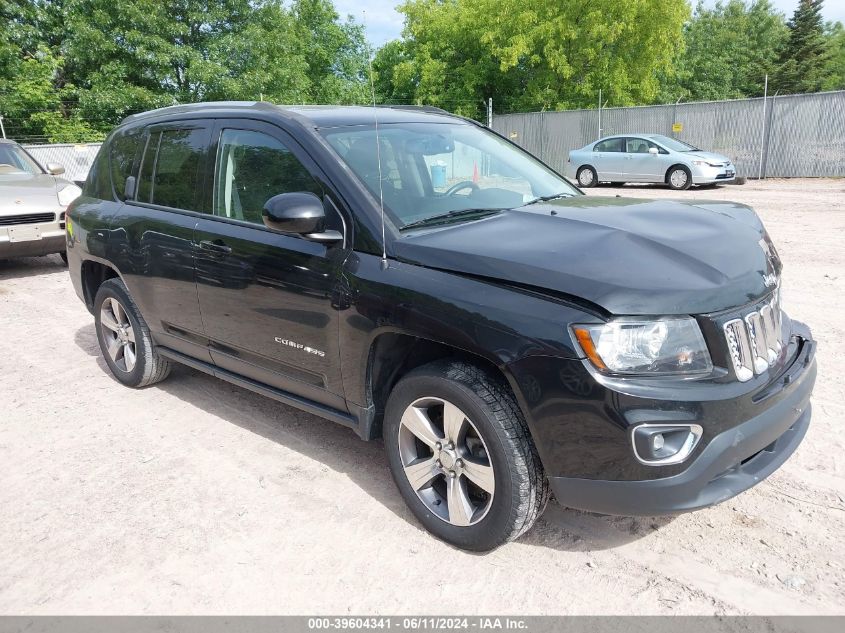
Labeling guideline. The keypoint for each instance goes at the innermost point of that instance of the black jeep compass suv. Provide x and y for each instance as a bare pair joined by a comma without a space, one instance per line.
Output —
418,278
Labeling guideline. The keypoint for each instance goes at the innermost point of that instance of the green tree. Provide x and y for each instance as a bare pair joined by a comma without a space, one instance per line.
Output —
531,54
335,52
805,56
729,49
71,69
834,75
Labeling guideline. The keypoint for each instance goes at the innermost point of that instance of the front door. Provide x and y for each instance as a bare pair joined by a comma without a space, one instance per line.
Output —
640,164
265,297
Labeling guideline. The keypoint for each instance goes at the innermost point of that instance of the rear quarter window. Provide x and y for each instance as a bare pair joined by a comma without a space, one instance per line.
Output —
98,183
123,151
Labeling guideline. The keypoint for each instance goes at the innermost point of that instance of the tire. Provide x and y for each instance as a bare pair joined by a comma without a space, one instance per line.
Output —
125,338
494,442
63,255
679,177
587,177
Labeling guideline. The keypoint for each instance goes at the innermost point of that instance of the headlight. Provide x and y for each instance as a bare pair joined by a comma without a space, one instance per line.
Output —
68,194
663,346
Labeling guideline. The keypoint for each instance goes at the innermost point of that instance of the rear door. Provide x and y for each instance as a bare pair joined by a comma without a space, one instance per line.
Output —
609,159
265,297
152,235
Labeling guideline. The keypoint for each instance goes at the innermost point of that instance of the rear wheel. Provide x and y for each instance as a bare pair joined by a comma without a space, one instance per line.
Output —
462,457
587,177
679,177
63,255
125,338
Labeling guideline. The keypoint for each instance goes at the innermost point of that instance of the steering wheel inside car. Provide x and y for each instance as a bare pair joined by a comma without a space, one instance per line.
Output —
459,186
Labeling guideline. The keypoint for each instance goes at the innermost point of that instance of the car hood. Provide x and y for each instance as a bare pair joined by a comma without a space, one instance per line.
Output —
630,257
27,193
709,156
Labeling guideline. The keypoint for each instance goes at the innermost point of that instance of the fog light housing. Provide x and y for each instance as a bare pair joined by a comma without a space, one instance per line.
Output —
664,444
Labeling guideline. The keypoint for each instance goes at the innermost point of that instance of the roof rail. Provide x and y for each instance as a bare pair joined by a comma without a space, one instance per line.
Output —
420,108
188,107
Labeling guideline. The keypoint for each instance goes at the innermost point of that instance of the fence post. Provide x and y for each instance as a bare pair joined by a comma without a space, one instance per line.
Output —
675,116
763,131
770,124
599,112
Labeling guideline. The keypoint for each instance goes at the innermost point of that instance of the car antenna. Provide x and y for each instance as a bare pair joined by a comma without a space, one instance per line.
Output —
378,150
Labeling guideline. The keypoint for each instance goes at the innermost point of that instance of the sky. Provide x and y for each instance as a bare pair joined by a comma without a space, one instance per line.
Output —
384,23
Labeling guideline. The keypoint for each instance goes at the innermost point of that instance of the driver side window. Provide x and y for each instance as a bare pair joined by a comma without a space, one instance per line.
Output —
252,167
639,146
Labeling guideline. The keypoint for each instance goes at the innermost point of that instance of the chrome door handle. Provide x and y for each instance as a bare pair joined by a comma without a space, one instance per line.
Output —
216,246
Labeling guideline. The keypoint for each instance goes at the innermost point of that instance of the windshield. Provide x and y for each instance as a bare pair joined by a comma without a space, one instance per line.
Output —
674,144
13,160
430,170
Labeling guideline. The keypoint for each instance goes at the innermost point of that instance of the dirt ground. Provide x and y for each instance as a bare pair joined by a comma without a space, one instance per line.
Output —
194,496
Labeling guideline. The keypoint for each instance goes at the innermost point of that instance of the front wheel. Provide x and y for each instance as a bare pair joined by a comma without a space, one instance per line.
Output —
679,177
462,457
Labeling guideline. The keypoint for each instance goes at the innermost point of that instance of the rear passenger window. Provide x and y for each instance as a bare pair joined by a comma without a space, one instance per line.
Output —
252,167
172,168
610,145
124,148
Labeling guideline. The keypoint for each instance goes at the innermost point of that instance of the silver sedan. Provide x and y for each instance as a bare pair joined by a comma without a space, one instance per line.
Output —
647,158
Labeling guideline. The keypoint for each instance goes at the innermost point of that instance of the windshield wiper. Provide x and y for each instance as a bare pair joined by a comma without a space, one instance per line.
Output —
547,198
443,218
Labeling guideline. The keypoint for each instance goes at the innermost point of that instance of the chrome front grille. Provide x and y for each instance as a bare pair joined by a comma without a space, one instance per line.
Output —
755,340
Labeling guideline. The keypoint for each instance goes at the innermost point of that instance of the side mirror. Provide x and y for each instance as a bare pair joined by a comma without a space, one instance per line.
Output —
653,151
297,213
55,169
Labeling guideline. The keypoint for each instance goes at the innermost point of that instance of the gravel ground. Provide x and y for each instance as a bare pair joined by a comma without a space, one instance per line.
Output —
194,496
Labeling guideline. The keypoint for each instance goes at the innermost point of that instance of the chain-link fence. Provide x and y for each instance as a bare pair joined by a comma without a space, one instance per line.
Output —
796,135
76,159
781,136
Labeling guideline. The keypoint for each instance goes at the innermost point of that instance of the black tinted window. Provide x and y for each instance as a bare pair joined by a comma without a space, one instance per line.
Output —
172,168
252,167
610,145
124,148
98,182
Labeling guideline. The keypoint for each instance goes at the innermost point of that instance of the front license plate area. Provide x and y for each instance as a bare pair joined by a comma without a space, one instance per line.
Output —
24,233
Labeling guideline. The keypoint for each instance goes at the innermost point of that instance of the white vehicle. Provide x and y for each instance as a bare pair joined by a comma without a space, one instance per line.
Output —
647,158
32,204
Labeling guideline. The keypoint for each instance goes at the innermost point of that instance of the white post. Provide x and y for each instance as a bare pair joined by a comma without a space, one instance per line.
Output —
490,112
2,129
763,128
599,112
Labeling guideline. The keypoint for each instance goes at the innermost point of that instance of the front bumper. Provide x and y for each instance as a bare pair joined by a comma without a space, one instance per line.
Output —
708,175
582,425
733,461
51,239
